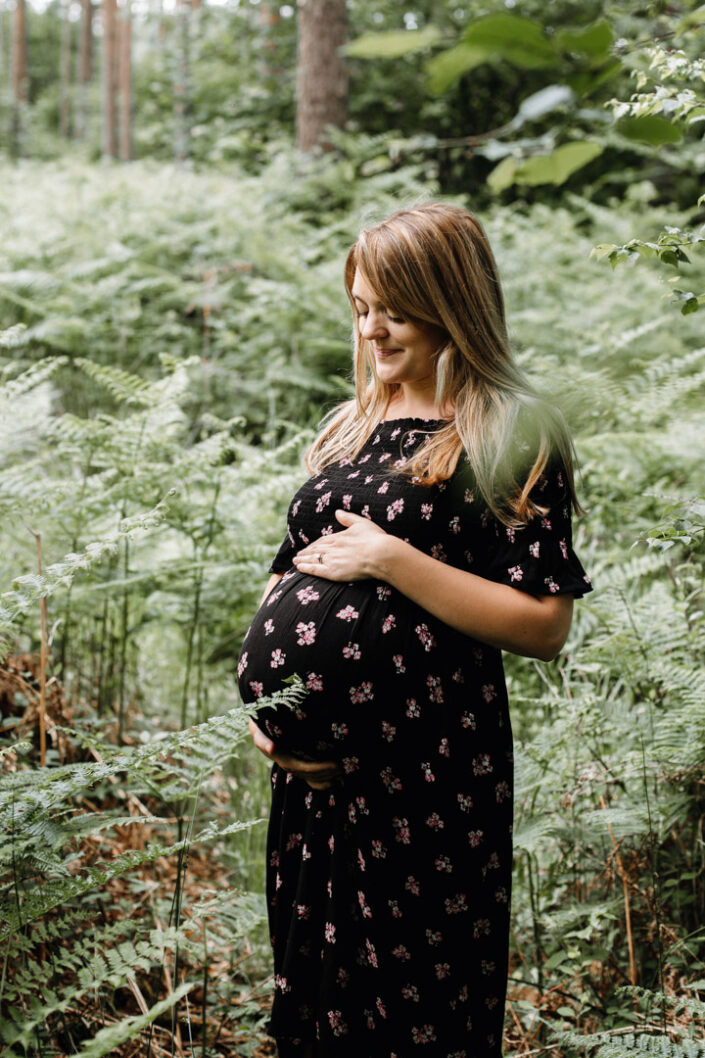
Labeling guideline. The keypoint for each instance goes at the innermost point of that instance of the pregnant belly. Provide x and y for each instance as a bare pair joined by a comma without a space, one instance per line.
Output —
362,650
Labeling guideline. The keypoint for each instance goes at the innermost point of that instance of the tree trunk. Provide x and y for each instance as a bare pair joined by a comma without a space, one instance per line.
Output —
65,70
84,71
321,79
19,77
5,51
109,64
182,82
85,68
125,83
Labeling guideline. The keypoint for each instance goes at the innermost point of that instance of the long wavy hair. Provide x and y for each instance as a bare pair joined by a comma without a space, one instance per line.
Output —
432,265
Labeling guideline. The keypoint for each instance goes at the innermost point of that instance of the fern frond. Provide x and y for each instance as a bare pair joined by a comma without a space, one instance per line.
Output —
107,1040
123,386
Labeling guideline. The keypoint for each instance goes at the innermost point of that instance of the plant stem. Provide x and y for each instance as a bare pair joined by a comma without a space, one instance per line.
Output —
656,885
123,642
42,661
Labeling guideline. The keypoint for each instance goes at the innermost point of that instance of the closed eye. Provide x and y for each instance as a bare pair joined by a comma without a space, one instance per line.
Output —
392,319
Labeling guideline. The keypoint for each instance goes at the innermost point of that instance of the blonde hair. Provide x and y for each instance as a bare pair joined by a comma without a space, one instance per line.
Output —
432,265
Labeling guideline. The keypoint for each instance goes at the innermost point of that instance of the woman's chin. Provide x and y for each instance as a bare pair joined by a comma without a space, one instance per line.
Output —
390,372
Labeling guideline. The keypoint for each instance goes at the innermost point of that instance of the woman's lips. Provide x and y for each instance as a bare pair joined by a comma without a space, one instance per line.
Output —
383,353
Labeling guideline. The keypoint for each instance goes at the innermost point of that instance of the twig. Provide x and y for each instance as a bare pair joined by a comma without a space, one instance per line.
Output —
517,1022
135,989
42,660
627,910
541,1050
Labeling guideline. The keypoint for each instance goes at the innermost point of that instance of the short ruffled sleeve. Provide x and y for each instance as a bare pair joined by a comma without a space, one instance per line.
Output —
538,557
282,561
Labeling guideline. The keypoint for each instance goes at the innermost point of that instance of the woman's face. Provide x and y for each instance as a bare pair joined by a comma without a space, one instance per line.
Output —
403,352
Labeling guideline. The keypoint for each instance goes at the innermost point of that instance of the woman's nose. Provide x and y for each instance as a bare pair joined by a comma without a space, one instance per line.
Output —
373,325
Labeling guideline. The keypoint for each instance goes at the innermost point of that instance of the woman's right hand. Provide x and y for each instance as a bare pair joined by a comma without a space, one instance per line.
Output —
320,775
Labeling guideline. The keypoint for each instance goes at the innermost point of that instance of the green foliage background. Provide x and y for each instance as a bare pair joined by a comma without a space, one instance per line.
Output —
170,338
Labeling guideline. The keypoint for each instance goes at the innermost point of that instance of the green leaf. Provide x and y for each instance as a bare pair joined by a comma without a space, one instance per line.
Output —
555,960
691,20
518,40
673,257
555,168
586,81
544,101
603,249
650,129
446,68
503,175
687,297
393,44
595,40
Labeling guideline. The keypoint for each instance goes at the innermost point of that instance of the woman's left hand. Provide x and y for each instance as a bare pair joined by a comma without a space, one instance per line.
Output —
352,554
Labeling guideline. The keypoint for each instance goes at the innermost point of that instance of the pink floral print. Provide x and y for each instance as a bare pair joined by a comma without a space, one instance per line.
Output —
306,632
416,715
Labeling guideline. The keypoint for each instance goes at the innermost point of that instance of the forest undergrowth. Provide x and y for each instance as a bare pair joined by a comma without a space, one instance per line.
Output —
164,361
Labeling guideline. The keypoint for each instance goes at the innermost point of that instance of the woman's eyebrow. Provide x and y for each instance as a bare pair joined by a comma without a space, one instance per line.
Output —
356,297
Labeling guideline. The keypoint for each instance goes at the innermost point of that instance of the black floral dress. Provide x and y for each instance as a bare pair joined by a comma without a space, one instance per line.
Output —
388,894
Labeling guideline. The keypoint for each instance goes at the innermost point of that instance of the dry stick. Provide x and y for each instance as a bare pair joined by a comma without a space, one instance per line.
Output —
627,911
517,1022
542,1050
176,1035
137,993
42,660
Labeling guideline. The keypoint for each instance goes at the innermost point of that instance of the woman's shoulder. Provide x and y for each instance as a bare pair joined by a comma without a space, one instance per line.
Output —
528,461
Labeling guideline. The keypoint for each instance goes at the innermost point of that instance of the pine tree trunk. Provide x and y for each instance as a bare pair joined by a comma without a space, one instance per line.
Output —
321,80
5,53
109,49
65,70
19,77
84,71
125,83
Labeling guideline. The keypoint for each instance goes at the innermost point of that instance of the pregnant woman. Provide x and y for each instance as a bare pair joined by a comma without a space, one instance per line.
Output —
434,533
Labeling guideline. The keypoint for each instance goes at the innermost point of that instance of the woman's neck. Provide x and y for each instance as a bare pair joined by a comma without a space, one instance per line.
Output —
405,405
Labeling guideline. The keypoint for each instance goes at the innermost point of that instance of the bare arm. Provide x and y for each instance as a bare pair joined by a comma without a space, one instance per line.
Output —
270,585
504,617
533,625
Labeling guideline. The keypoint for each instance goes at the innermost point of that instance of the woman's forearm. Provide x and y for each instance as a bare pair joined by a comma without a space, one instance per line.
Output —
273,580
504,617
